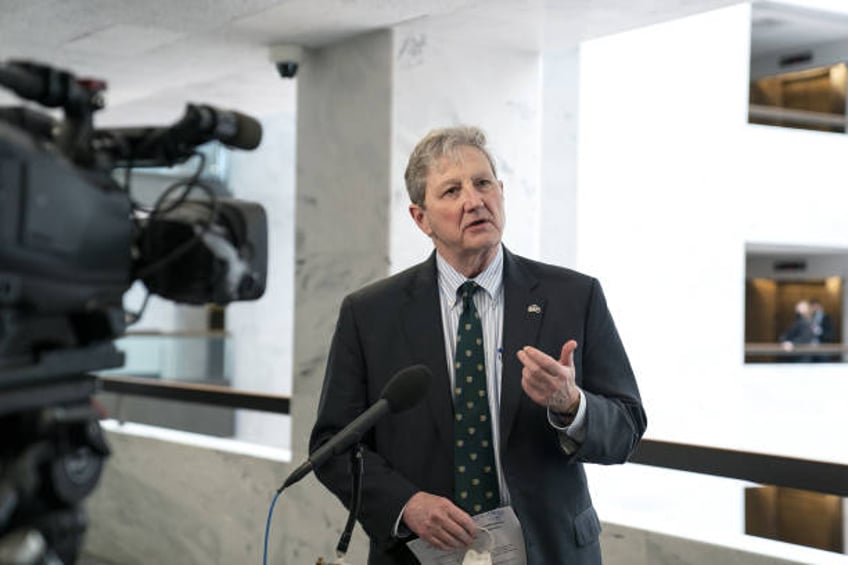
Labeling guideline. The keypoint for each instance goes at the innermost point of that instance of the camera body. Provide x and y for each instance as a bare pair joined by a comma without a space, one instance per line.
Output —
72,241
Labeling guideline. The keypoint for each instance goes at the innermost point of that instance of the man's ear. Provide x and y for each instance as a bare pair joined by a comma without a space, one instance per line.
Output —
420,218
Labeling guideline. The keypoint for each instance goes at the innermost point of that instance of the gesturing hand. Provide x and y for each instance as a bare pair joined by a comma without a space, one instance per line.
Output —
438,521
550,382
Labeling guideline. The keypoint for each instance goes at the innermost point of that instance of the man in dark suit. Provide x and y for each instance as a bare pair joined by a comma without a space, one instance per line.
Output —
821,323
822,327
557,384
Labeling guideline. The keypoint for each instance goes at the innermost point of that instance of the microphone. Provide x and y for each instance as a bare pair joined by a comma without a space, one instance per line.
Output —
402,392
153,147
231,128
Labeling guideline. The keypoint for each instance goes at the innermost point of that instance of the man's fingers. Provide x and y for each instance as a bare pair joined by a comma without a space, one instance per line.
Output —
535,360
566,357
460,528
548,381
443,539
438,521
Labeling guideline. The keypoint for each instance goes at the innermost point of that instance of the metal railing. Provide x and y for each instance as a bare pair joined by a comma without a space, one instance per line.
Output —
805,474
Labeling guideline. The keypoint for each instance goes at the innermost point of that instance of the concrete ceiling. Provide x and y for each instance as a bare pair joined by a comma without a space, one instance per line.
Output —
158,54
781,28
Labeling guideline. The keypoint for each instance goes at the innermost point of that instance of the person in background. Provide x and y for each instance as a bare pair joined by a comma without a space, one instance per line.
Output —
531,379
823,332
800,332
822,324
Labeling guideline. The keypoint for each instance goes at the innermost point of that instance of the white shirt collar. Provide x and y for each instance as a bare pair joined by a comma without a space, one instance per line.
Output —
490,279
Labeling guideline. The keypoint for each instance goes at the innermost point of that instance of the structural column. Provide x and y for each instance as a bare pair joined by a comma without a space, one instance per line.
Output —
341,243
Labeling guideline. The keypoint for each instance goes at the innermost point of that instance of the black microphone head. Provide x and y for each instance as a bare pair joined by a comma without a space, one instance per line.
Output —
248,132
234,129
407,387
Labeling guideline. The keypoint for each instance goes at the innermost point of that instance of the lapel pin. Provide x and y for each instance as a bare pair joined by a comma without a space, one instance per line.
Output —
534,309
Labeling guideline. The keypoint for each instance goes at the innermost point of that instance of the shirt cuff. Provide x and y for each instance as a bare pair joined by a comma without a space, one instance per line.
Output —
400,531
571,433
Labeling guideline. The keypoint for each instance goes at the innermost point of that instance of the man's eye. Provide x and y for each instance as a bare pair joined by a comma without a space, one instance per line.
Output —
451,191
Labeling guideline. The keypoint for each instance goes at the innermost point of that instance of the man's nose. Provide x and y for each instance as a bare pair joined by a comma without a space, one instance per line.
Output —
472,198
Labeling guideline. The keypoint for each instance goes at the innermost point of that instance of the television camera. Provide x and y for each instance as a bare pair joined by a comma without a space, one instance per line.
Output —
72,242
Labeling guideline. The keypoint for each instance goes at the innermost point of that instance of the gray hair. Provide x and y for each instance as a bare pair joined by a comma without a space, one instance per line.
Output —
435,145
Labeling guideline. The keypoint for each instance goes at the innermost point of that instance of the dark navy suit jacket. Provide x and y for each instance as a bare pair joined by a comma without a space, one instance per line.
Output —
396,323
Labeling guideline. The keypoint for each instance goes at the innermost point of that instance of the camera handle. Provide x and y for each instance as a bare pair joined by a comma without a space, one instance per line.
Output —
56,88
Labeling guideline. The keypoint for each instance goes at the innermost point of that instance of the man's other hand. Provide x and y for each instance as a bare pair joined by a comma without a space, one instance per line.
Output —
439,522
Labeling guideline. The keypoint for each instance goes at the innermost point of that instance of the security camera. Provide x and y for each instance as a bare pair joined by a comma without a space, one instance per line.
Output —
287,59
287,69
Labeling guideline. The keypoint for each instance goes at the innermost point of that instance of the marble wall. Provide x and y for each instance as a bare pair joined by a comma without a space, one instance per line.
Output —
343,132
623,545
160,501
558,219
209,506
443,78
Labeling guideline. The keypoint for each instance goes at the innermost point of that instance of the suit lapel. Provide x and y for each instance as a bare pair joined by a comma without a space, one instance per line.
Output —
422,322
524,308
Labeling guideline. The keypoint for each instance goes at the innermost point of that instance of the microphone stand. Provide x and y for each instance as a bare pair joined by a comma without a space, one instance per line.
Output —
357,467
357,464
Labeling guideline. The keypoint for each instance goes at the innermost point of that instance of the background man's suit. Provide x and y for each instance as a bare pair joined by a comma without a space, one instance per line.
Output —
396,323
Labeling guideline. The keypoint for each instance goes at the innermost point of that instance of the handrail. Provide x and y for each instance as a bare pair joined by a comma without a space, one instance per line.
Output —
201,393
796,116
778,349
805,474
178,334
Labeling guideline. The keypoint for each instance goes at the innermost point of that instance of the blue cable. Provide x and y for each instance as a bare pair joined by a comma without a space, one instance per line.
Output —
268,527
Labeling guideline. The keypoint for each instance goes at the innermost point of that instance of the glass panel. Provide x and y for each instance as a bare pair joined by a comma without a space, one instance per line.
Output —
192,357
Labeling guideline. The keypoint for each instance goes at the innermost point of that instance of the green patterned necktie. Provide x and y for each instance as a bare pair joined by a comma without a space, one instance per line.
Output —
476,481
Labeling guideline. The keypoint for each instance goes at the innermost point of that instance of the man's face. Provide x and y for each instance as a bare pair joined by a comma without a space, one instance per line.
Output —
463,208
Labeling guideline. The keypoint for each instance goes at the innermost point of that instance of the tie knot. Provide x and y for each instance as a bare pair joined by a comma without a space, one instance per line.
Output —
467,290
